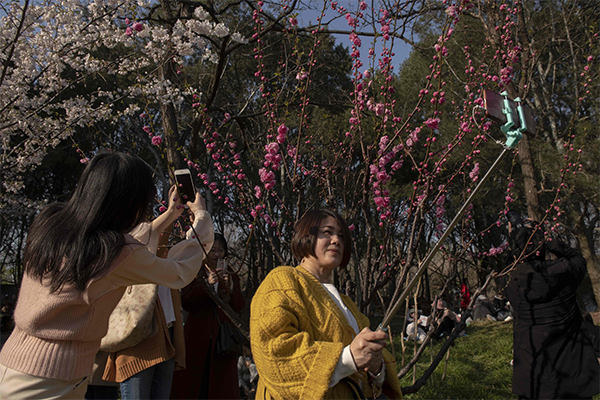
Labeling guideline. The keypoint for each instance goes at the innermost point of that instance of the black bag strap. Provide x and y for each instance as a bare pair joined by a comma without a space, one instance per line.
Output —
357,393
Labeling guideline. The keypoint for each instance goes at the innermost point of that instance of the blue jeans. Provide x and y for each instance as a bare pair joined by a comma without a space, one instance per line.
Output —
151,383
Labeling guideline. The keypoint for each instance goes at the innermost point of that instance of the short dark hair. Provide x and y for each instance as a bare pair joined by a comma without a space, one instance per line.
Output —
533,243
307,229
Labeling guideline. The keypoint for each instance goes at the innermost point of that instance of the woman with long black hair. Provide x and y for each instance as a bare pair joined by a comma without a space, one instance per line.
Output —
79,258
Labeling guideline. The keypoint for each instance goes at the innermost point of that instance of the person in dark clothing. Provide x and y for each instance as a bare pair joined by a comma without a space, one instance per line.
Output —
554,355
447,320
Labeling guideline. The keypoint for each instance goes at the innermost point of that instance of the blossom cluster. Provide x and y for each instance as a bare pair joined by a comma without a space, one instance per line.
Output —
56,50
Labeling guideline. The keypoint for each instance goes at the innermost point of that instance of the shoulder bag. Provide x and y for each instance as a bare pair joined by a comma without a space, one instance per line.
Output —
132,320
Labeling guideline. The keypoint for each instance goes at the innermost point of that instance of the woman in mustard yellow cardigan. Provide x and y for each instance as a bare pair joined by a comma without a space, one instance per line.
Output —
308,340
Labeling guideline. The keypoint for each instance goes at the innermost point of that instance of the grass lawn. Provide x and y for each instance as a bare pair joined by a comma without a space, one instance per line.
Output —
478,366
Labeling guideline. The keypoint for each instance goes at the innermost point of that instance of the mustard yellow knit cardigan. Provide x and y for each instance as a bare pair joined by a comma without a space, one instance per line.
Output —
298,334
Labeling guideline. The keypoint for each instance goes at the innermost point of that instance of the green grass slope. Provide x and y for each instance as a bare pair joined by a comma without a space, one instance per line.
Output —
478,366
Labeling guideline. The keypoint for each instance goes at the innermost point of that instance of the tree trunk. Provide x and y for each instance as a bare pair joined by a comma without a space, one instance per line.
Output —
531,192
167,109
587,251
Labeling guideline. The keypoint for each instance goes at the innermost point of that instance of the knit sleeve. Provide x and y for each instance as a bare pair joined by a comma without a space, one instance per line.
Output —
292,363
177,270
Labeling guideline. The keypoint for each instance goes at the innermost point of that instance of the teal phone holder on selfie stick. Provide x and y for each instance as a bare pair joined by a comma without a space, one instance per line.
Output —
513,136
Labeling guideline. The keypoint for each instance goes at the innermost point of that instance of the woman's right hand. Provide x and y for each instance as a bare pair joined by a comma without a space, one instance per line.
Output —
199,203
367,350
212,277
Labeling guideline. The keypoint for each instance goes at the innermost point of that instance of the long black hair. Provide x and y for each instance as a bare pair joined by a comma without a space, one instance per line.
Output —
76,241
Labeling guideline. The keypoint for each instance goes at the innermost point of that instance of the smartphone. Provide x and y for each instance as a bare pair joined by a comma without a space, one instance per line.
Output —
494,104
185,183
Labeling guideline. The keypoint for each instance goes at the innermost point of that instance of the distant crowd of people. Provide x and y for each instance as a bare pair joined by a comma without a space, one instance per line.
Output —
308,340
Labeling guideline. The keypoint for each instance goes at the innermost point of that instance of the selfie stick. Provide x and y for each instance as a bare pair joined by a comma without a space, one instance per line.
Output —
513,136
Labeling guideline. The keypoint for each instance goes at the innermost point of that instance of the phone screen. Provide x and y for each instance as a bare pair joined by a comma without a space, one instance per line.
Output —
185,184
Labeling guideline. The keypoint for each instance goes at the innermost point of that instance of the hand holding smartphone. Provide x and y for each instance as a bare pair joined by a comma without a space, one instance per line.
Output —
185,184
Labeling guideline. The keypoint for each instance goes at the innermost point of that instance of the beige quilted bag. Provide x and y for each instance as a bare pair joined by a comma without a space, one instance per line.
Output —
132,320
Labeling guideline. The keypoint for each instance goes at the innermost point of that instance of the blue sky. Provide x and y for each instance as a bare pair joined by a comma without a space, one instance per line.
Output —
310,10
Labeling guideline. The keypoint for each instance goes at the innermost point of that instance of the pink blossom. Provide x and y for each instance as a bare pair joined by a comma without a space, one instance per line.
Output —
505,75
156,140
441,200
293,21
282,130
257,192
351,228
84,160
432,123
227,116
380,201
129,31
265,175
495,251
253,213
147,129
439,212
363,5
127,21
137,26
351,21
379,109
162,209
382,176
474,174
397,165
272,148
301,75
451,11
383,142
